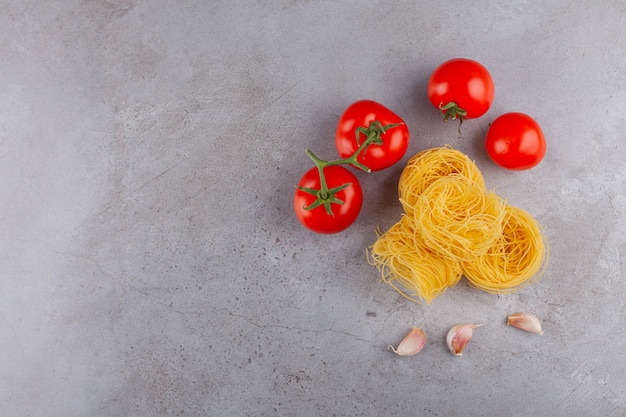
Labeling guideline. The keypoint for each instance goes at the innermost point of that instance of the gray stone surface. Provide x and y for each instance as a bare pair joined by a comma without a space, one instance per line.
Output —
150,263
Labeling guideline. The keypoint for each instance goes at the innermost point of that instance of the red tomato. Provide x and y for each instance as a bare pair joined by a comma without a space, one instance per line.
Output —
343,215
462,82
354,123
515,141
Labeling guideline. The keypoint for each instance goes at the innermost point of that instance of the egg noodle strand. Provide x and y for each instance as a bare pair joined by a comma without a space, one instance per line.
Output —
452,226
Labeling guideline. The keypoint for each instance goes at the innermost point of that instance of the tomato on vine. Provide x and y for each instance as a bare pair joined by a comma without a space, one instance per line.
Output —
369,137
515,141
328,203
389,135
461,89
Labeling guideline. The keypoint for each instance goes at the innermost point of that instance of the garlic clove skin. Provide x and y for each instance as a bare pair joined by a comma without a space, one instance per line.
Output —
412,343
526,321
459,336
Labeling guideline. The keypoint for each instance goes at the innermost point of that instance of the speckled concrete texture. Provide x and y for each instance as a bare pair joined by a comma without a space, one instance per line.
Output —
150,261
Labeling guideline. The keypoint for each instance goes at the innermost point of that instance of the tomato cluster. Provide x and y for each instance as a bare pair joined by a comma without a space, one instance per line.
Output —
463,89
370,137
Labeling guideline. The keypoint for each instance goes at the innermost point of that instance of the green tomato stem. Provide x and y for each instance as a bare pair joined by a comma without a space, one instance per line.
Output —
452,111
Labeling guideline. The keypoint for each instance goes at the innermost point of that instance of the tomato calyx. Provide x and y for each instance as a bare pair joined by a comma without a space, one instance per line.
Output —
373,137
452,111
327,196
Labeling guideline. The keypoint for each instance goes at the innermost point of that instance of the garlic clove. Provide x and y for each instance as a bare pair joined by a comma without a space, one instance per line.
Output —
412,343
459,336
526,321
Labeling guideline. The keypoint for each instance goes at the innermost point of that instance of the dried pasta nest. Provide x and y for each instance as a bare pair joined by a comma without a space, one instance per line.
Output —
458,219
430,165
454,226
517,258
409,266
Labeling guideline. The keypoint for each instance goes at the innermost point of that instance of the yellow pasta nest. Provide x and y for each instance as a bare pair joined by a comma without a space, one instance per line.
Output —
457,219
409,267
430,165
516,259
453,226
